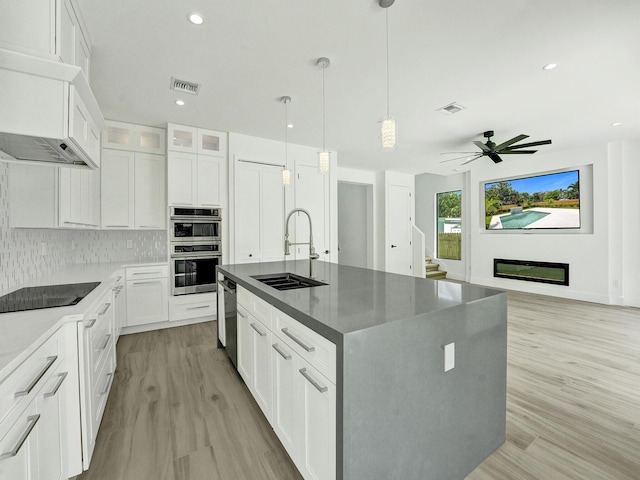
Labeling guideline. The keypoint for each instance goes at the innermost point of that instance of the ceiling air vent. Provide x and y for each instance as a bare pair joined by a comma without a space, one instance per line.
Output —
184,86
450,109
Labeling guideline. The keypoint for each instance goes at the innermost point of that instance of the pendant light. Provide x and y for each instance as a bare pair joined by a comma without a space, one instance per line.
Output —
286,173
388,125
324,157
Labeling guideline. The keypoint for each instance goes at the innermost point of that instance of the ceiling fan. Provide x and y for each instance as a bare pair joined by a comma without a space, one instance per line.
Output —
493,151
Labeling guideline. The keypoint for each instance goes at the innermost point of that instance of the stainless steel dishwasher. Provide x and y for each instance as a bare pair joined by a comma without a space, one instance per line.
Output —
227,318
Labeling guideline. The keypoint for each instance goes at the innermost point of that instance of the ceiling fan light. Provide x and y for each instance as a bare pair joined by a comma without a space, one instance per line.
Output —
389,133
324,159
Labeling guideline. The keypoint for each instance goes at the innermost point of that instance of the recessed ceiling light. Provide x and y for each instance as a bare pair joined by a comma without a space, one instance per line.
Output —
195,18
289,125
180,102
550,66
616,124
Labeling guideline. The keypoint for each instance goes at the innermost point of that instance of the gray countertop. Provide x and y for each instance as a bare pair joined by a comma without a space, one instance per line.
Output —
355,299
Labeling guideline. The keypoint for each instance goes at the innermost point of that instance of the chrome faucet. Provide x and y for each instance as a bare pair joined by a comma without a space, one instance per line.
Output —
312,251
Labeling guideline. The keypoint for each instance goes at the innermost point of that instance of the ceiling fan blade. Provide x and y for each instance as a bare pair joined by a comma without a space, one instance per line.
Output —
474,158
507,151
531,144
494,157
481,146
451,153
511,142
473,154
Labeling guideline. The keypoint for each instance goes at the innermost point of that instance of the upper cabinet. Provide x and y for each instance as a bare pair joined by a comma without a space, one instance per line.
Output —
197,166
196,140
134,138
133,177
47,28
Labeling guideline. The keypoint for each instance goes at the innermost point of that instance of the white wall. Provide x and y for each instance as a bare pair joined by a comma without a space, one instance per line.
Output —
585,250
624,222
427,186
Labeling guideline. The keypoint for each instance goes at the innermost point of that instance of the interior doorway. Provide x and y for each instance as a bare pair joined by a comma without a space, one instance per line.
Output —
355,224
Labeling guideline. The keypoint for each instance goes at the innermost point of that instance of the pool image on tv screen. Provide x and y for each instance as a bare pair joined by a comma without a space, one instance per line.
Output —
547,201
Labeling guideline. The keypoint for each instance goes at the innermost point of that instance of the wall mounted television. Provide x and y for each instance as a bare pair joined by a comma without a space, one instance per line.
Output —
538,202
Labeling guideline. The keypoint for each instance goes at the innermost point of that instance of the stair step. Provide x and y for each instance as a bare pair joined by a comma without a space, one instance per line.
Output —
432,266
436,274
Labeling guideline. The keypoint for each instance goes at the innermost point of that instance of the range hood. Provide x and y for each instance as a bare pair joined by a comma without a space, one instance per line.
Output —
50,115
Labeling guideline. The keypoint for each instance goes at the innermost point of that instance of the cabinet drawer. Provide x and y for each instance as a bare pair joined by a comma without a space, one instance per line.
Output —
314,348
22,384
141,273
100,390
255,306
185,307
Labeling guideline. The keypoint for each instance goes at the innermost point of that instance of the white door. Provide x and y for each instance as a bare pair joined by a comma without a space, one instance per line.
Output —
399,233
149,197
272,217
312,194
247,213
354,242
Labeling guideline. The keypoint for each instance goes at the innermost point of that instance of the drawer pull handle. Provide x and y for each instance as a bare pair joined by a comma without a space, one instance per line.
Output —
146,283
260,332
297,340
320,388
47,366
106,388
284,355
197,308
148,273
53,392
33,419
241,314
91,323
107,337
104,309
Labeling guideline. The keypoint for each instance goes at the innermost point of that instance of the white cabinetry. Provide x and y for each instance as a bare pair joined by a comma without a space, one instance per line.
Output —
49,197
39,414
197,166
119,304
192,306
147,294
254,359
97,364
259,213
48,28
133,177
295,387
186,139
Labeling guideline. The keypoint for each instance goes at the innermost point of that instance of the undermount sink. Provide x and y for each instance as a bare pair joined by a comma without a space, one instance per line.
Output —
287,281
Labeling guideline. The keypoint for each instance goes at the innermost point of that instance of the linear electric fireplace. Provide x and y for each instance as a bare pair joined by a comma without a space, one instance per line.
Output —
531,271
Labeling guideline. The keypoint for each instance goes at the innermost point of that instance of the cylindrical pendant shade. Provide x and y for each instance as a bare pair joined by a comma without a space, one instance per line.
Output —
324,159
389,133
286,177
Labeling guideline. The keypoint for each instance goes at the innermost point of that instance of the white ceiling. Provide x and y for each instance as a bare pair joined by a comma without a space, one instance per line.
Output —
486,55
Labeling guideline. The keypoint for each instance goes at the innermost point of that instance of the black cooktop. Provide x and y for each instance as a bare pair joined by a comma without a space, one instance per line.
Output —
48,296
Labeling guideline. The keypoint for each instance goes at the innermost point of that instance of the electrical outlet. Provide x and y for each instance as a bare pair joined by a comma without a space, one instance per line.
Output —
449,356
129,243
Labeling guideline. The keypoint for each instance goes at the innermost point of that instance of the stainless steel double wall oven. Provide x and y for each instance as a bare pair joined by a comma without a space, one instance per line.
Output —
195,249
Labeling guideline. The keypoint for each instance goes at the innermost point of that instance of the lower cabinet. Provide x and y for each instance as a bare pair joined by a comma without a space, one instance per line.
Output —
147,294
254,359
192,306
304,413
283,370
97,364
39,438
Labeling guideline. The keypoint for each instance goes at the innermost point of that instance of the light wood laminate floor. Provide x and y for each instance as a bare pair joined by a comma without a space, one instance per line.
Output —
177,409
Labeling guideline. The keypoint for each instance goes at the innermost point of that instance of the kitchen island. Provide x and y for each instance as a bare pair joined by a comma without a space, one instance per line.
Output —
398,414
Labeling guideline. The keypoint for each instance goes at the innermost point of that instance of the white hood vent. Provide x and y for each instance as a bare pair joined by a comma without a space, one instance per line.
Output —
49,114
184,86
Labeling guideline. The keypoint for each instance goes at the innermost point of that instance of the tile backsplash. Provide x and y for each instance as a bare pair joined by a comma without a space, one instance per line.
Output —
26,254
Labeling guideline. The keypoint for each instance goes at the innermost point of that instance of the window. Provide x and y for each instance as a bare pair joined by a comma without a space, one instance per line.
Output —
449,214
